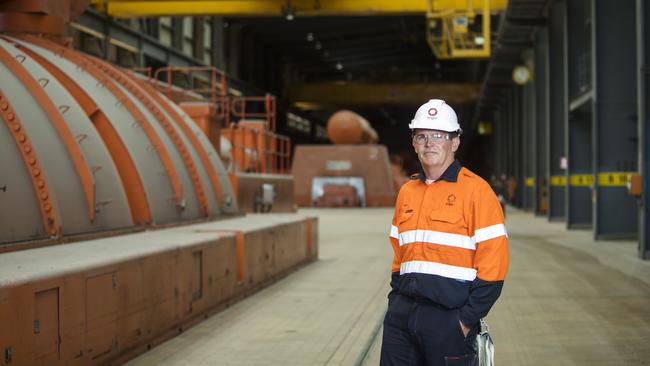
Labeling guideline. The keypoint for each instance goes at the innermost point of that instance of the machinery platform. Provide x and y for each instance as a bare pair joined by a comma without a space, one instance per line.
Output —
105,301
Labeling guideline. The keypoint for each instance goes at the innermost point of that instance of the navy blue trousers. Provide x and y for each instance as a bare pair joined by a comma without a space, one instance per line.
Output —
424,334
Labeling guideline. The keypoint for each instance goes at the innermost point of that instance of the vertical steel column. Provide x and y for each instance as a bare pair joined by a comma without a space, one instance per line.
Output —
218,42
643,98
528,126
513,141
579,132
614,118
505,113
234,50
520,136
557,111
541,110
497,144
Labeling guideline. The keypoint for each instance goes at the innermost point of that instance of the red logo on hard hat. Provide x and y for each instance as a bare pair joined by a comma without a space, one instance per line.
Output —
432,112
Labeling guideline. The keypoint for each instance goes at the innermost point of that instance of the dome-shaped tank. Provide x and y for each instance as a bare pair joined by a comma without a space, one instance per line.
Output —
348,128
88,147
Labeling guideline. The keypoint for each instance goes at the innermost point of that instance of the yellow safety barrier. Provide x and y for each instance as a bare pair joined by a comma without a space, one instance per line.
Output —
605,179
581,180
614,179
558,180
530,182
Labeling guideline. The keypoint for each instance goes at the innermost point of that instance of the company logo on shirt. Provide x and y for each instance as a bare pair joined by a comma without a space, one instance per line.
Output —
450,200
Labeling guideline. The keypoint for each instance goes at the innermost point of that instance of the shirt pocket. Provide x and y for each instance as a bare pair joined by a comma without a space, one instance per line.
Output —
448,221
405,219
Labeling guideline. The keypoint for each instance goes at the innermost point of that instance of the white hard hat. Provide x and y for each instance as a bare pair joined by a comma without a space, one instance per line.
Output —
436,115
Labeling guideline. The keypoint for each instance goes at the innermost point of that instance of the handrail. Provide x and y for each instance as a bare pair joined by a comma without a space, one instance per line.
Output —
258,151
216,90
240,107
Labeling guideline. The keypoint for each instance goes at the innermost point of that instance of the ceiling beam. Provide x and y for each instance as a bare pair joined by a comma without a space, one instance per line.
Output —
323,29
311,56
341,94
366,64
342,39
145,8
368,55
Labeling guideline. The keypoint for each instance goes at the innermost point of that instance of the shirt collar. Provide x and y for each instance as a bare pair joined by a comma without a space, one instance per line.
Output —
450,175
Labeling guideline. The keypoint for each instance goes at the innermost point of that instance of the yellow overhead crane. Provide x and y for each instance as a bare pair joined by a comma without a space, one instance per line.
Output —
450,31
454,34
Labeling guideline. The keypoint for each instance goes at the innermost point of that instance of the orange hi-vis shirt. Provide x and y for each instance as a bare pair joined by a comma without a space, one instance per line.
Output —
450,243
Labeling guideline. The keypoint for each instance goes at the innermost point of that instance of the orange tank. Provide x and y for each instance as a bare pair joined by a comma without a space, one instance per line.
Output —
348,128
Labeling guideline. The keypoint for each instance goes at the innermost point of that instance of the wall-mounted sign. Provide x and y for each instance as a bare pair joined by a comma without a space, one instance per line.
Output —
339,165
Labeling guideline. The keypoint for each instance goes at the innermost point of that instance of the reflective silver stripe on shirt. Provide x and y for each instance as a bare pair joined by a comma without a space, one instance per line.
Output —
489,232
434,268
436,237
394,232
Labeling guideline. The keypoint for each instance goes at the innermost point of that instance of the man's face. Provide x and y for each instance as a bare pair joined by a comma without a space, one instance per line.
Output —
435,148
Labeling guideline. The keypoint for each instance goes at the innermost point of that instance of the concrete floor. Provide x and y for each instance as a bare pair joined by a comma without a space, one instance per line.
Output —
567,301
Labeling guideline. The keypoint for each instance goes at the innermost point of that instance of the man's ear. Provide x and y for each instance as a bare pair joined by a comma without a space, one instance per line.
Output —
455,143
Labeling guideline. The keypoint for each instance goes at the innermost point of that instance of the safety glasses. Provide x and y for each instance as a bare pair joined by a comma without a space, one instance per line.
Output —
422,138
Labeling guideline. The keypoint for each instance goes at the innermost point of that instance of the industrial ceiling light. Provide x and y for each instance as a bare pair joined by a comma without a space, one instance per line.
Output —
318,45
339,66
288,11
310,36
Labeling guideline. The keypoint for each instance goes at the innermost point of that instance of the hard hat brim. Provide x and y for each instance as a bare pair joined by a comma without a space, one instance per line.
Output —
413,125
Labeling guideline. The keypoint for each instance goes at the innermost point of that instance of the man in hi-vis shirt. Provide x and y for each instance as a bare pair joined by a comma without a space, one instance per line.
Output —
451,251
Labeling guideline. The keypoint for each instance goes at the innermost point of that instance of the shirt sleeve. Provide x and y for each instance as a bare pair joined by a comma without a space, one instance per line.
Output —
491,259
394,241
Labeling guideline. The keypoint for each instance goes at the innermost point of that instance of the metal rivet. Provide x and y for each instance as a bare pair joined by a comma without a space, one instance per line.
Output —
32,161
16,127
4,106
40,183
22,138
11,116
36,172
27,148
47,207
44,196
